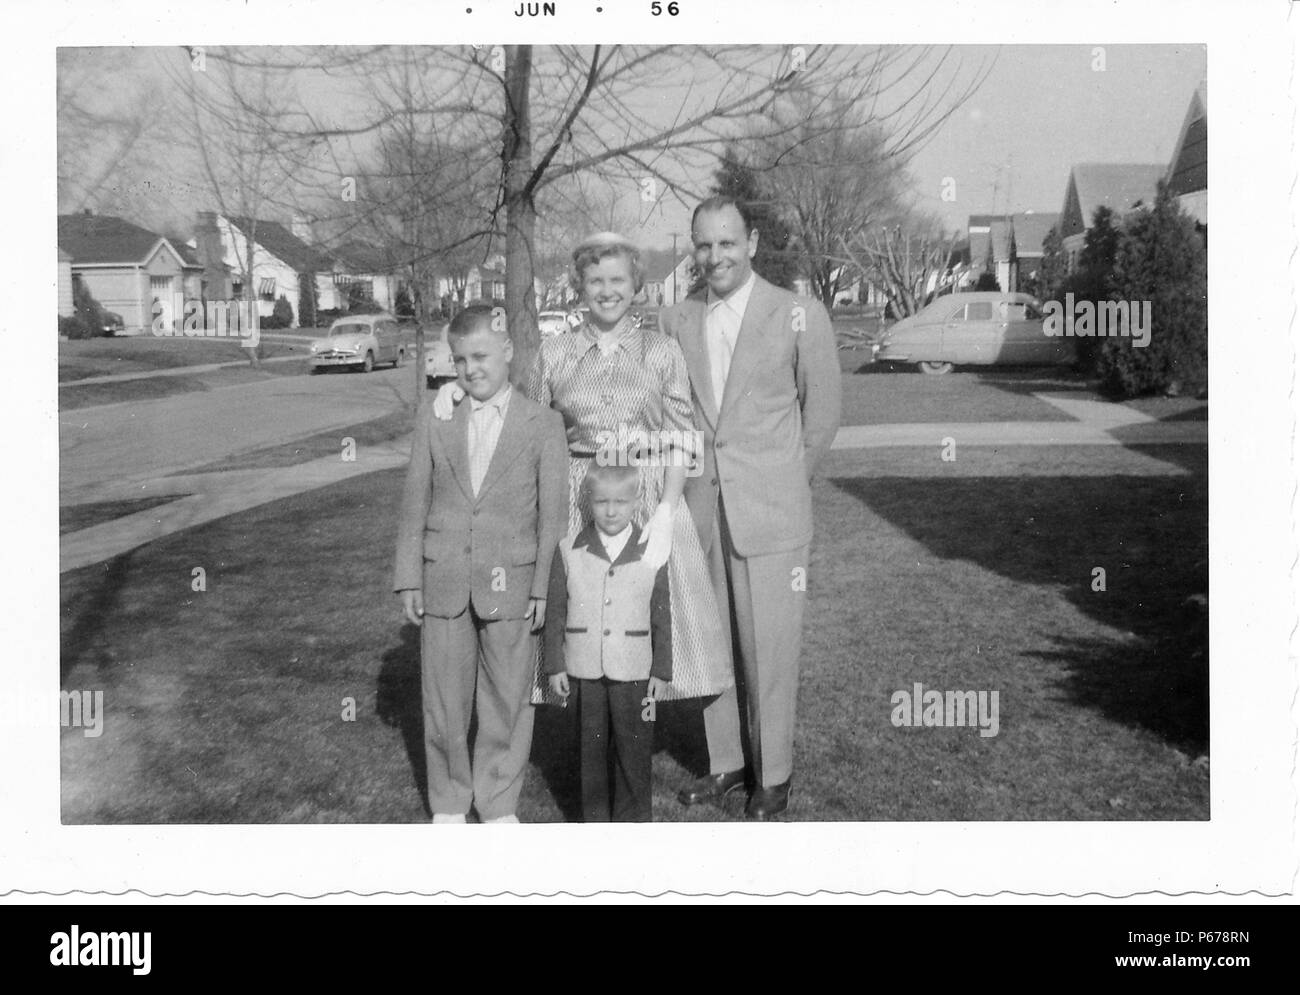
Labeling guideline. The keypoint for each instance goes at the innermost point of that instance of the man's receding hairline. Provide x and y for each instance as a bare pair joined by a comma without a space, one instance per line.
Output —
719,209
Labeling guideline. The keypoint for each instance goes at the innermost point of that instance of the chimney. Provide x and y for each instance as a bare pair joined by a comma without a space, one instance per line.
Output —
211,253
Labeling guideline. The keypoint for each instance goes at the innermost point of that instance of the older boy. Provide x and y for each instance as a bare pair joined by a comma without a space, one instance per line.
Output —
485,504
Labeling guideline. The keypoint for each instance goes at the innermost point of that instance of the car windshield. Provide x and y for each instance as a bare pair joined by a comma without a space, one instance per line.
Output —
352,328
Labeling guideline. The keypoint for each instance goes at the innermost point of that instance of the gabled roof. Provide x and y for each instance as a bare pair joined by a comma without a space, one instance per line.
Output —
276,239
1031,229
188,255
1187,169
999,235
362,257
103,239
1116,185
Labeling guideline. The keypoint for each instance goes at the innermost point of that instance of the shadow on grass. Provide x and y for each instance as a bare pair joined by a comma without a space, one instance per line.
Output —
399,705
1150,534
81,641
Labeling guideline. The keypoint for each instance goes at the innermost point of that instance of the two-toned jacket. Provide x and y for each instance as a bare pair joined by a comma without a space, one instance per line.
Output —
607,619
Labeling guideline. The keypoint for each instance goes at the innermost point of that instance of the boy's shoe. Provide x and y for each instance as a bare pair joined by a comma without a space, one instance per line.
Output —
448,819
503,820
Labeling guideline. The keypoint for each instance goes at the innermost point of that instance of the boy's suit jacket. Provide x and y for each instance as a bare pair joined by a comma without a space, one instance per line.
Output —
779,413
494,549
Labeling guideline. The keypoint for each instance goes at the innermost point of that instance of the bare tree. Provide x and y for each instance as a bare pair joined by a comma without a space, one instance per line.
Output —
647,120
907,260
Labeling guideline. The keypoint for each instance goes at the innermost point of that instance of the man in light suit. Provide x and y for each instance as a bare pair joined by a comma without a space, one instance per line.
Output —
765,381
486,503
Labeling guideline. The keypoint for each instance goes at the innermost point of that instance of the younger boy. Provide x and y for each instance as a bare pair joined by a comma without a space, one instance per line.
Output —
486,502
608,639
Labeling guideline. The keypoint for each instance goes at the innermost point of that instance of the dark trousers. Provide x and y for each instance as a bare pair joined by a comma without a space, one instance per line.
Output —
615,746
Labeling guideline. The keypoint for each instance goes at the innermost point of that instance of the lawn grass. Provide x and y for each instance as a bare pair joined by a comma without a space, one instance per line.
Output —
225,706
74,395
1171,408
879,395
73,518
82,358
368,433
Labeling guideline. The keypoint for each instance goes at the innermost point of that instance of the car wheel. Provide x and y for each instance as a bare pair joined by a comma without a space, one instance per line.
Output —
935,368
369,363
314,370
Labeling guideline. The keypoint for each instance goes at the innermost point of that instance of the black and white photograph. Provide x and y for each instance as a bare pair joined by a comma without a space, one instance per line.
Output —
648,424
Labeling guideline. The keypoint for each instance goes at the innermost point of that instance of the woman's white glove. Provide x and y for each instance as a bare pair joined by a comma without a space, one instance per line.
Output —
658,537
444,402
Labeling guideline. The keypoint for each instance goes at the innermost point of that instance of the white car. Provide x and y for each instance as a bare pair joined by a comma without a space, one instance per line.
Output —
550,323
438,364
359,341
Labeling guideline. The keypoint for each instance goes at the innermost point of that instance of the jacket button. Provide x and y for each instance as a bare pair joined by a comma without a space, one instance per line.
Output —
607,632
713,482
720,445
609,601
611,569
467,550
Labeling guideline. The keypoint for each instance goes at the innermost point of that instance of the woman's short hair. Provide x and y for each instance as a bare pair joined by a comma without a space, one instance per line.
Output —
592,249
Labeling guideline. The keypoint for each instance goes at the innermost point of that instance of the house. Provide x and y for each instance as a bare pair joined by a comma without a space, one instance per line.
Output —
1121,186
280,258
1187,174
667,281
126,268
374,271
65,283
992,248
1029,230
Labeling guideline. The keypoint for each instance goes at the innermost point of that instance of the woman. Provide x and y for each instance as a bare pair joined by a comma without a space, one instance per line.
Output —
620,386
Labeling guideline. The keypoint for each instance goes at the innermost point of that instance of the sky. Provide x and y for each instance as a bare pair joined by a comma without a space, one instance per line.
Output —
1041,109
1008,148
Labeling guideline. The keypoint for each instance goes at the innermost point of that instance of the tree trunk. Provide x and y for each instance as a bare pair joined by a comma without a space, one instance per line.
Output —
521,212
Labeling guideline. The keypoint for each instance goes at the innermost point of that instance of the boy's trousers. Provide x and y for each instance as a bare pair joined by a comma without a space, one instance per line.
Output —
468,664
615,748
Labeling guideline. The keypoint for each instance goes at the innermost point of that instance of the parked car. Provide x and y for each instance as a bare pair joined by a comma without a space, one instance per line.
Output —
551,323
111,323
976,329
359,341
438,366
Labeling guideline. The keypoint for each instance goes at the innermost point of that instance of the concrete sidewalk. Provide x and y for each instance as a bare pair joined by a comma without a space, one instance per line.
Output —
177,371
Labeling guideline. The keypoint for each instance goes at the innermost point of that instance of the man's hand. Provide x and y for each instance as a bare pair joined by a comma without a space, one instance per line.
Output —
656,688
658,537
536,613
413,605
444,402
560,685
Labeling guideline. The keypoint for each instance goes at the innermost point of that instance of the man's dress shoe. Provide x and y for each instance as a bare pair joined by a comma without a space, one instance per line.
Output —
711,787
768,803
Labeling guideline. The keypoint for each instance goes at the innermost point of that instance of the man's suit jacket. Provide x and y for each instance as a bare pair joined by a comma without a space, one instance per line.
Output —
776,419
494,549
